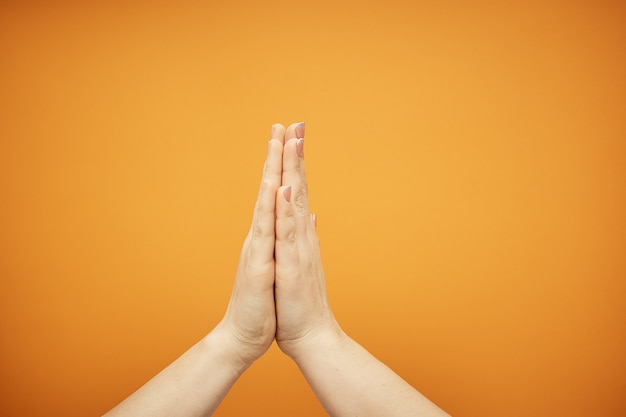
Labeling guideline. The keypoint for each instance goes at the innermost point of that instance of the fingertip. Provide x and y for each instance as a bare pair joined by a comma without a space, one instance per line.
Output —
287,193
292,131
300,130
285,221
290,152
284,208
278,132
272,141
300,148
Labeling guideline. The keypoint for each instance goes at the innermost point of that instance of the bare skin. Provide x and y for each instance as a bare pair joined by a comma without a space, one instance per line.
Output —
279,294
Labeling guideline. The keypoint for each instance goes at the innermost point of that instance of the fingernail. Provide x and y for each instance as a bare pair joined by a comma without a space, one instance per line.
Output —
287,193
300,147
314,219
273,131
300,130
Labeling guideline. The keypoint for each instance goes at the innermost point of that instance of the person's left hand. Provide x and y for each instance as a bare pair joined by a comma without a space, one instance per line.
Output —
250,320
303,314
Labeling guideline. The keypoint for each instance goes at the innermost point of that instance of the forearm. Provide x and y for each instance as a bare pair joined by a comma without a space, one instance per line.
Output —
193,385
196,383
349,381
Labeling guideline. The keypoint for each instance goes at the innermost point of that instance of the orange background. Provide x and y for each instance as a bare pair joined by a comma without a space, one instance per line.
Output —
466,161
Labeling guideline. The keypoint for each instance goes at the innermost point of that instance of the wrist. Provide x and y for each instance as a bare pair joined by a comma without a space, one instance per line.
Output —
330,339
225,346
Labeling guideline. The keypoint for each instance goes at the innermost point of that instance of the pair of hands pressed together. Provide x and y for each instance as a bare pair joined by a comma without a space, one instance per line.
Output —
279,294
279,291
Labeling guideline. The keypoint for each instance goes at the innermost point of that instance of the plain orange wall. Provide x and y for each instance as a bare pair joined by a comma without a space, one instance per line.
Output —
467,162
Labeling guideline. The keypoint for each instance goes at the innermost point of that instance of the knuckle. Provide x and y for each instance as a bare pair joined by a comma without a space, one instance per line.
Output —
259,268
290,237
267,184
261,206
300,201
287,236
315,240
259,230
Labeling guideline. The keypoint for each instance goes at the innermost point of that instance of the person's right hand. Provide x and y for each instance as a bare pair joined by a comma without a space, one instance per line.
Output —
249,325
302,311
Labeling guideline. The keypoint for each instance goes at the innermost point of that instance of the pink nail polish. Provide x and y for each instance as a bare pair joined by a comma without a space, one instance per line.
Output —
300,130
300,147
287,193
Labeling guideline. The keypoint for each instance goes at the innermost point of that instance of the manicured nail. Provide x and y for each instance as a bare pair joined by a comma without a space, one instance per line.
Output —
314,219
300,147
287,193
300,130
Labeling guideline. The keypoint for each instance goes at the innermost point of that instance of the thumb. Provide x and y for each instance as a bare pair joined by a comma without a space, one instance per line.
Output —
285,246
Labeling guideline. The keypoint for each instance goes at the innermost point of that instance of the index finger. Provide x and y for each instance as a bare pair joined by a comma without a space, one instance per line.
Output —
293,168
263,234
